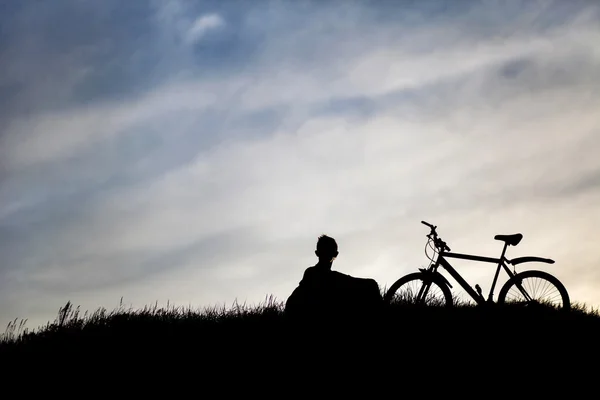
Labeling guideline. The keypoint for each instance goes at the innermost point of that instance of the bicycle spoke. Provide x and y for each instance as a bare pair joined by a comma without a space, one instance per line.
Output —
418,292
537,290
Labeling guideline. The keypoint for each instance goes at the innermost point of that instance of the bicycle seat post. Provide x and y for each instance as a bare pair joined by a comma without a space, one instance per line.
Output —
503,251
491,296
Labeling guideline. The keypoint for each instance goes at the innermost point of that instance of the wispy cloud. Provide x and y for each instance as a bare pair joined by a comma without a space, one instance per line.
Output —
204,24
210,176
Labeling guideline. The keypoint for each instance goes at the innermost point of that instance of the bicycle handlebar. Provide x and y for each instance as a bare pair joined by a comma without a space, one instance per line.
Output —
439,243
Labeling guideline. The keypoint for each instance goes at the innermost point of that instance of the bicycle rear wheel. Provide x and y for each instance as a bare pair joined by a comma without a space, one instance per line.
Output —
419,288
535,288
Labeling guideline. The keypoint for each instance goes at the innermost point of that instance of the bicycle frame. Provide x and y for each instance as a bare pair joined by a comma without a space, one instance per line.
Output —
478,297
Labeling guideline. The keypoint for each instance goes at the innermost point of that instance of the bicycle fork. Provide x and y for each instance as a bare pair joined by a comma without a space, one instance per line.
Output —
423,291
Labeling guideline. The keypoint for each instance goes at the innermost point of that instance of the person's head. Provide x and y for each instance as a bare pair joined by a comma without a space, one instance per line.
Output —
327,249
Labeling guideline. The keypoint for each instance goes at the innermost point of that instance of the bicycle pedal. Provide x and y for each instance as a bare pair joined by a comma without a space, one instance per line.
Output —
478,288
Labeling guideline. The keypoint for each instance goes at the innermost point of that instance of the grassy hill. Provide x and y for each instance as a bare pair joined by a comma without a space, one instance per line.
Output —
463,329
245,349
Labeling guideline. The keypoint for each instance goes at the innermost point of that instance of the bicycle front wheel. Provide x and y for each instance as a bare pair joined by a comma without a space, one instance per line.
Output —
419,288
535,288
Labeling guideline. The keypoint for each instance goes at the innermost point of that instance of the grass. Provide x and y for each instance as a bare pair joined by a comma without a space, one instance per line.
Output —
403,339
74,328
71,321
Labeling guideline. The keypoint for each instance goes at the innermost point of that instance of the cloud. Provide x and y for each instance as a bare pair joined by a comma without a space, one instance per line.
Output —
214,183
204,24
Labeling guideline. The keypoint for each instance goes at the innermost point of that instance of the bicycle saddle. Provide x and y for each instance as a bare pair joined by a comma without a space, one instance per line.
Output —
511,240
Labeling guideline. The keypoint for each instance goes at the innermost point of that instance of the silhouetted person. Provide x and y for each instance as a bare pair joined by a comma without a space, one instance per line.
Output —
324,292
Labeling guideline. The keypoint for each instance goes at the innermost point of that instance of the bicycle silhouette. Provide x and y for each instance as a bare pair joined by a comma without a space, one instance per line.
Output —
517,284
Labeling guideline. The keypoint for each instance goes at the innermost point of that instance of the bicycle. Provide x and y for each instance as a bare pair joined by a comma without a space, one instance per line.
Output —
428,277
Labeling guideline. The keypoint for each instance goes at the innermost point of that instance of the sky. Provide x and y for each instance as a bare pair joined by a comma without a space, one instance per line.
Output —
192,152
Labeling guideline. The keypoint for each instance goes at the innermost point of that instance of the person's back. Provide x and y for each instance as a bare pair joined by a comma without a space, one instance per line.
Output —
325,292
314,292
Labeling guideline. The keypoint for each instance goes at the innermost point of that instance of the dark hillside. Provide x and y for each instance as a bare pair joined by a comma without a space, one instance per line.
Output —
463,331
249,351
